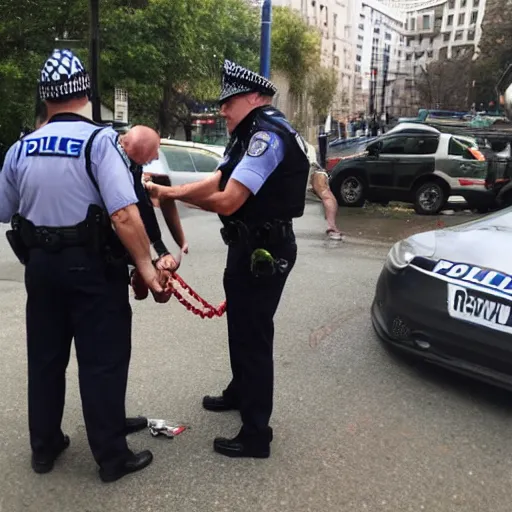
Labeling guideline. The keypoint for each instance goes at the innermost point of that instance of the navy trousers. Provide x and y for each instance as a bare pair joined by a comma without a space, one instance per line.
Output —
75,294
251,305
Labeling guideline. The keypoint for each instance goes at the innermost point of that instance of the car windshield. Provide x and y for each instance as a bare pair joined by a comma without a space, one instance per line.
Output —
159,166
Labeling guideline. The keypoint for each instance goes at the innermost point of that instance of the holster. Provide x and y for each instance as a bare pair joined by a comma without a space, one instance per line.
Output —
15,241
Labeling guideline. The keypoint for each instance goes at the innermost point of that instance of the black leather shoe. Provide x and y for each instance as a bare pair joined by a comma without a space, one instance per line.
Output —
135,424
135,462
218,404
244,446
44,463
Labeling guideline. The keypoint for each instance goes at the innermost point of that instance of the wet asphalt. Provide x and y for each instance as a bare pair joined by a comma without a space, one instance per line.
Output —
356,428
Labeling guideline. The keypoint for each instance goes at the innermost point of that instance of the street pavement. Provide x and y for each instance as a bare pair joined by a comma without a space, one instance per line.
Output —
355,427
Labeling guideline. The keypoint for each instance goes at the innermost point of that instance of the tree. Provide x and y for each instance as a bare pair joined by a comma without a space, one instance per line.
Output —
446,84
495,49
28,29
321,91
295,47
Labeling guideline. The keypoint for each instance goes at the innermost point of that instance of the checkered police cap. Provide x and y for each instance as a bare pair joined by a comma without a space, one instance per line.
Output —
239,80
63,77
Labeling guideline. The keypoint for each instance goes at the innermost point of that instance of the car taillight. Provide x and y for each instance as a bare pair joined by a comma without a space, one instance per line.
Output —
467,182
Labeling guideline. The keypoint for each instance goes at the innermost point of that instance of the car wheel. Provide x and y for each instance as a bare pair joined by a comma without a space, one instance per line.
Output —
506,199
430,198
350,190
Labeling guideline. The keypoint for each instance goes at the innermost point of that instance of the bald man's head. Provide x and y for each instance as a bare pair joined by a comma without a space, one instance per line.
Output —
141,144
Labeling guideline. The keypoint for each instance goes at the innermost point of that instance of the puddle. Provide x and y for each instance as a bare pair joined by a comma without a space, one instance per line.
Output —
396,221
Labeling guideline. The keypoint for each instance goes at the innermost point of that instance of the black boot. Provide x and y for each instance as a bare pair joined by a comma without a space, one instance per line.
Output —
219,404
43,463
135,424
135,462
245,445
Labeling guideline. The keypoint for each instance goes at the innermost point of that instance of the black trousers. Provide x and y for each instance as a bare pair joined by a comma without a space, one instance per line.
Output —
74,294
251,305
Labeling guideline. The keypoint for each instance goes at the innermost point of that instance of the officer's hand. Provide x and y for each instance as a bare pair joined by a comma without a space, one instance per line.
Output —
164,296
154,279
184,249
168,262
154,190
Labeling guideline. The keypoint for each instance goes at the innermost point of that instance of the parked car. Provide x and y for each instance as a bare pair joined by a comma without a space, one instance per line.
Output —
190,161
418,165
445,296
159,170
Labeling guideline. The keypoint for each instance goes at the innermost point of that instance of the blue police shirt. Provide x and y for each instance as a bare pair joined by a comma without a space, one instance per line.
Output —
44,176
265,152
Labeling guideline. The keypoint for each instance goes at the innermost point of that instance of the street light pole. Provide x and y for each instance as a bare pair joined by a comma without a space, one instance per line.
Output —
266,29
94,54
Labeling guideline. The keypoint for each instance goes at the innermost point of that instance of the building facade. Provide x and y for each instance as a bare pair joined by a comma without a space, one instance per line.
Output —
333,18
436,29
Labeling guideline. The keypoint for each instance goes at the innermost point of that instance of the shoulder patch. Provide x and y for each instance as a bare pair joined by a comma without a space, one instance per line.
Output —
122,152
259,144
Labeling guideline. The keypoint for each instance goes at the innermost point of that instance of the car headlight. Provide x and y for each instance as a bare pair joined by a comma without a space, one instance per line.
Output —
403,252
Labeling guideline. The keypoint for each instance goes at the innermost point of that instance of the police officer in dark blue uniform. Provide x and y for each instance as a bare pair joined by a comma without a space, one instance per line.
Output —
257,191
64,191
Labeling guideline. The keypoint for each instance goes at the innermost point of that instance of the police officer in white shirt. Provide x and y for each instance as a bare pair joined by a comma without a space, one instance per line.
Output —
64,192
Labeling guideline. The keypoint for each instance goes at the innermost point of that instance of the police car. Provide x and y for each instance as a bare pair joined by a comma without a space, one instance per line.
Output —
446,297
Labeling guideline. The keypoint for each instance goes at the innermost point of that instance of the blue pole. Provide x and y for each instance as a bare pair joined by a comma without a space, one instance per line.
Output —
266,29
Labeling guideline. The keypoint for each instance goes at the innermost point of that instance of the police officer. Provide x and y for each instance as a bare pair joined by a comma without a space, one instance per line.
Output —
68,191
257,191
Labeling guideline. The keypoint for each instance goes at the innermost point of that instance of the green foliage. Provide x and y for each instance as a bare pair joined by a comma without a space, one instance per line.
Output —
168,54
322,90
295,46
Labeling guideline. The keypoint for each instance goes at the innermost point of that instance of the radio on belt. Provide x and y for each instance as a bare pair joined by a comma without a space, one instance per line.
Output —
162,427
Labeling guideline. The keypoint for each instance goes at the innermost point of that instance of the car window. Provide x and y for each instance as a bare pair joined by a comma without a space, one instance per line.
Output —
178,158
158,166
421,145
458,147
204,161
393,145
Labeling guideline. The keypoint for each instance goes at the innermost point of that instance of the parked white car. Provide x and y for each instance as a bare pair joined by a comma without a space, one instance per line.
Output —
188,162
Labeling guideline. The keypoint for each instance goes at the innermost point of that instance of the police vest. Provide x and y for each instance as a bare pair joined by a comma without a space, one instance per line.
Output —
282,196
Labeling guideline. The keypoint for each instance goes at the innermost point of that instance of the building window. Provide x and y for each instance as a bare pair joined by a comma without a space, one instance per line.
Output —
388,36
451,4
431,41
358,58
357,68
449,22
463,3
474,16
399,53
359,46
471,35
408,56
334,24
426,22
462,17
447,36
361,38
362,16
458,35
430,53
476,3
361,26
413,23
376,30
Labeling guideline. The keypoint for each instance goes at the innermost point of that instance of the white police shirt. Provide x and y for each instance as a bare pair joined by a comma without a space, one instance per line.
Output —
44,176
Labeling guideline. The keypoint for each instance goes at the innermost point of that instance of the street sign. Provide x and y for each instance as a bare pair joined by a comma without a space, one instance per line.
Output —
121,105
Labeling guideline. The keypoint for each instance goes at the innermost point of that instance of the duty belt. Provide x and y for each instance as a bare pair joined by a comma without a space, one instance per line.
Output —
270,233
54,239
